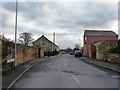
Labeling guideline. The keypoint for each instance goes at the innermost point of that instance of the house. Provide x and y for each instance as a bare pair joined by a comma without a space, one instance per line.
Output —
46,44
91,36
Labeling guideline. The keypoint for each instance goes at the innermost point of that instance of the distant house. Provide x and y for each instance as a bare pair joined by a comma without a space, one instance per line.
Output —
46,44
91,36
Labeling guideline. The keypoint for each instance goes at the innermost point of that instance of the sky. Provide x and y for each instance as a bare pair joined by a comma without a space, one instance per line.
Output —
67,19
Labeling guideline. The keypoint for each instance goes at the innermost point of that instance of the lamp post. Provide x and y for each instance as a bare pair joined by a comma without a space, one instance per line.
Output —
15,55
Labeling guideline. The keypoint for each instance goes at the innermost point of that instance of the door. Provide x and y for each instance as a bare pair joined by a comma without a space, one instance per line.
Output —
39,52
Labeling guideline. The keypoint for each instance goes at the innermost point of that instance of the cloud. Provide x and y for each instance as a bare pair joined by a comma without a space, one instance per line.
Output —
68,20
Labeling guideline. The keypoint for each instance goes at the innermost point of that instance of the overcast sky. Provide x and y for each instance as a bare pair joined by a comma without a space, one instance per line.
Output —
67,19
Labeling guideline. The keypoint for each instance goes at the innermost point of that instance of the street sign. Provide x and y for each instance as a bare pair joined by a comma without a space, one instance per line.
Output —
10,60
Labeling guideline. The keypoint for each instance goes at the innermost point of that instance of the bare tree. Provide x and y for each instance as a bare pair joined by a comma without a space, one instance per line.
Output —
25,38
77,46
69,50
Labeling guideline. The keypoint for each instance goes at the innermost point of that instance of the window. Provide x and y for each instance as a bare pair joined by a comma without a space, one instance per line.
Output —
85,38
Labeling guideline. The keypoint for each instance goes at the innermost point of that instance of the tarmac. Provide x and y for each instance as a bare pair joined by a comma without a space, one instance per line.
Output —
9,78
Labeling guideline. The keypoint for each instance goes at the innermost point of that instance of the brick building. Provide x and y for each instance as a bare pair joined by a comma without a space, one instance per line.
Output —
91,36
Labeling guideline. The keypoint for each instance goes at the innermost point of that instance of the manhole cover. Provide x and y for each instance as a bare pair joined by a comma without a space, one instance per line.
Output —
68,71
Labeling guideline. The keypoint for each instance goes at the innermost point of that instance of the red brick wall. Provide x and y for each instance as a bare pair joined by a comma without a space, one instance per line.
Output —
91,39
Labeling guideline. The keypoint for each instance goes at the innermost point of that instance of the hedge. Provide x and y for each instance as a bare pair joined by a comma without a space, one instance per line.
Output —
115,50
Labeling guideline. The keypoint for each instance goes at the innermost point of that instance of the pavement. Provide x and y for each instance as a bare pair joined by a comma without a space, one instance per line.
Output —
104,64
10,77
52,73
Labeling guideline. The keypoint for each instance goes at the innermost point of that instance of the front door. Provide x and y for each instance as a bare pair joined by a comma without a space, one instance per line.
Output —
39,52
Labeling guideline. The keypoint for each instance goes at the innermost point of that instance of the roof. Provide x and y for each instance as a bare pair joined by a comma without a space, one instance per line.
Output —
99,33
46,39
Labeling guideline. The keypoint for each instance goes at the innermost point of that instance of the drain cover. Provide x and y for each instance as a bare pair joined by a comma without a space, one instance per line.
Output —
68,71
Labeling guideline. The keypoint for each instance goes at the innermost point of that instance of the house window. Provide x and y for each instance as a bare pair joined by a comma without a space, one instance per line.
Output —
85,38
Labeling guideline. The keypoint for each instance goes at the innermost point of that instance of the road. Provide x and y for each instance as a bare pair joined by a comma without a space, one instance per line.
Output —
66,71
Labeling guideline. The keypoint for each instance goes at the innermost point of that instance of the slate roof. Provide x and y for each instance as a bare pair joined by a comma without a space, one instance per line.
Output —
99,33
46,39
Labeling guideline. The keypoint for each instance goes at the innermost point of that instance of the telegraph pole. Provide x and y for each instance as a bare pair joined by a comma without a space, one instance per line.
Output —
80,43
53,41
15,55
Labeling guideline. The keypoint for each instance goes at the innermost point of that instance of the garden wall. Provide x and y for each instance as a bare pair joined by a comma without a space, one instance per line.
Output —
24,54
112,57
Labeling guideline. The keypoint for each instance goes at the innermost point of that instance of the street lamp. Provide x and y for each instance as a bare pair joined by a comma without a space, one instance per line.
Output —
15,59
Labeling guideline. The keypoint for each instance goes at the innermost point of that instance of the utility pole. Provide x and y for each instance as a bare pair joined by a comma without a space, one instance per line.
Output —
53,40
80,43
15,53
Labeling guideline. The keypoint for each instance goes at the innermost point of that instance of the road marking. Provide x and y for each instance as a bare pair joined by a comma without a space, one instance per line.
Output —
72,75
114,76
76,80
102,71
66,65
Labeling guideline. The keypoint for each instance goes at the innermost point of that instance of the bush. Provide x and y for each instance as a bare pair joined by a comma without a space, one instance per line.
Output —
115,50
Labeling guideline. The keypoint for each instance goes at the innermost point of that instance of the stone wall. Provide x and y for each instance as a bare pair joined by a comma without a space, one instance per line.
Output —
103,46
26,53
112,57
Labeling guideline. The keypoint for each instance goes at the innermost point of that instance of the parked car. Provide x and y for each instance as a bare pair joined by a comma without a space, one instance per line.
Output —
78,54
71,53
62,52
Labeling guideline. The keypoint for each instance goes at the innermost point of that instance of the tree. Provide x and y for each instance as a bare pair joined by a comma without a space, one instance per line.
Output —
77,46
115,50
7,44
25,38
119,42
69,50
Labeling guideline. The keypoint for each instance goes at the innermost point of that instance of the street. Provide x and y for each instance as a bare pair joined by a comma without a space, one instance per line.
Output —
66,71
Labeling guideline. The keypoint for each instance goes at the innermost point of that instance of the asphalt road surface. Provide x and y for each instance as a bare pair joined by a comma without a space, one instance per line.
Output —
66,71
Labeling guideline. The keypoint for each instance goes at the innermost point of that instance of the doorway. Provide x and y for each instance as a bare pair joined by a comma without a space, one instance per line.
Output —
93,51
39,52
